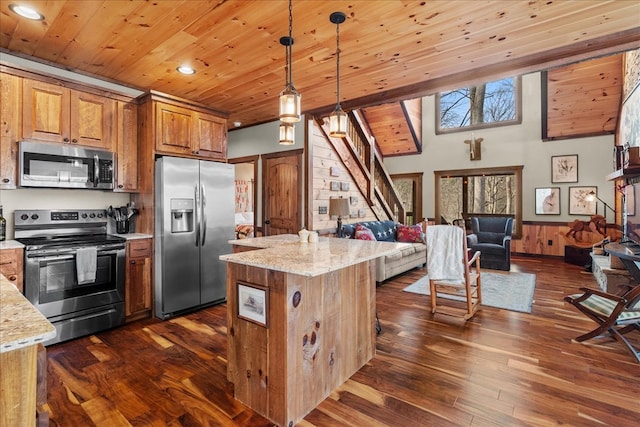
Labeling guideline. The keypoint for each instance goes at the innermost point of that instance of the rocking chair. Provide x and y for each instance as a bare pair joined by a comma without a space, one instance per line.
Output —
615,314
450,270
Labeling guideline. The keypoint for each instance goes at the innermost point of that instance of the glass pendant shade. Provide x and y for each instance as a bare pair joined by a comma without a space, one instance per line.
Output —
287,133
338,123
290,105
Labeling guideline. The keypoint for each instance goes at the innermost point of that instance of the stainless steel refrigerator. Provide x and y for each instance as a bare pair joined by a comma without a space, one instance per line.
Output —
194,222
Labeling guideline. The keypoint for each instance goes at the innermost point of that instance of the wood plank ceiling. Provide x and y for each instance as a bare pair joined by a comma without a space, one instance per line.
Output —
392,51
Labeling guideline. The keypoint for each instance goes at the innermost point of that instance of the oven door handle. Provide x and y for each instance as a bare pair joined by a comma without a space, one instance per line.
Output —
96,170
45,257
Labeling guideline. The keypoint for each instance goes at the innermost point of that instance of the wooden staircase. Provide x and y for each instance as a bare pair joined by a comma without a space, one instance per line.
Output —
364,163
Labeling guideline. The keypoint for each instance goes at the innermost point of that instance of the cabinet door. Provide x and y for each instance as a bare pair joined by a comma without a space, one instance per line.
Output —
127,147
45,111
138,279
11,266
210,136
10,132
173,129
92,120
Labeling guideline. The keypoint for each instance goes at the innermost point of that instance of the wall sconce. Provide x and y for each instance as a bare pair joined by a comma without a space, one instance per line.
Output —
338,119
289,97
475,149
339,207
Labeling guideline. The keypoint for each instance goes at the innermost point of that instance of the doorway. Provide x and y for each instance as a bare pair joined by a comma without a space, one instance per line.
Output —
409,185
246,196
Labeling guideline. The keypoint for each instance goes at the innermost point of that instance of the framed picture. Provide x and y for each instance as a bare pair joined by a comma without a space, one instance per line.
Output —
564,168
548,201
335,185
253,303
580,202
630,199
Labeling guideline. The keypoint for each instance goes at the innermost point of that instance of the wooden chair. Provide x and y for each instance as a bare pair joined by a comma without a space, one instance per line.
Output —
614,314
451,271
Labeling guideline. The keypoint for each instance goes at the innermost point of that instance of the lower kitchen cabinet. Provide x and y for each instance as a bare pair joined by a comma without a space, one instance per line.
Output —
11,266
138,279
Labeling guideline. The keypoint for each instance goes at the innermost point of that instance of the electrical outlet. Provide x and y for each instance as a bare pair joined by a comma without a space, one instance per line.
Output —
550,242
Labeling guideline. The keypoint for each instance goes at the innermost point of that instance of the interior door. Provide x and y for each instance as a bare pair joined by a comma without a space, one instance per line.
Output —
282,192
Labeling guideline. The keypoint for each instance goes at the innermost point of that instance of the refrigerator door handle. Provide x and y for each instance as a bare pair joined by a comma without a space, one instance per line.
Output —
203,205
197,197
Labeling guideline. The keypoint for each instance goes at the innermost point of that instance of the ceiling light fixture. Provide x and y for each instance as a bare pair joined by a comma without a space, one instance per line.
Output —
26,12
338,119
287,133
185,69
289,97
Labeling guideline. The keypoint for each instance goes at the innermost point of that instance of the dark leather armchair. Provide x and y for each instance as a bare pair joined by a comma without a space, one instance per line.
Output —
492,237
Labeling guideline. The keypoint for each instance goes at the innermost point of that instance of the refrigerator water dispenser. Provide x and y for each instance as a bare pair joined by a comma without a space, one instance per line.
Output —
181,215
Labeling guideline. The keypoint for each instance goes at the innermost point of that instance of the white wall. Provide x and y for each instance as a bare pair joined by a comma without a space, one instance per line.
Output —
509,146
23,199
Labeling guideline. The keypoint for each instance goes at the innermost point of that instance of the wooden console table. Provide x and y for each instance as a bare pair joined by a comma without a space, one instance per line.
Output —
300,320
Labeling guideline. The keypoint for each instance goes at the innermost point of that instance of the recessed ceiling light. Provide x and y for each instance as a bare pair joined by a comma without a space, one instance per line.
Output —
26,12
185,69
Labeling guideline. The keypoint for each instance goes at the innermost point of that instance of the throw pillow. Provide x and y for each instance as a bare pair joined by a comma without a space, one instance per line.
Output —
409,233
384,231
363,233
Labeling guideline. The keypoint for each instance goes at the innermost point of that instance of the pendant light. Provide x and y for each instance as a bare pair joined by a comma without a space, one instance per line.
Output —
338,119
287,133
289,97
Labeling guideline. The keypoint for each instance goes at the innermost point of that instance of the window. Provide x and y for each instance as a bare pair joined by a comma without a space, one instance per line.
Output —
496,103
461,194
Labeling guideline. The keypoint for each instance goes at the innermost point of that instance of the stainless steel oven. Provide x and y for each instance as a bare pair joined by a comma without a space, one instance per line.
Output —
53,241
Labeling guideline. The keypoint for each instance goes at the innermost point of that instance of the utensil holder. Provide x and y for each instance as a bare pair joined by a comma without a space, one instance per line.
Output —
122,226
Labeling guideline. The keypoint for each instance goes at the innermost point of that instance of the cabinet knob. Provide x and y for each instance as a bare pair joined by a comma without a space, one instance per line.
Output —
5,180
13,278
74,141
65,139
133,261
120,186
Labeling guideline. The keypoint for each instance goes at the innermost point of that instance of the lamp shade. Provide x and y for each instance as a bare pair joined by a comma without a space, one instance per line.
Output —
339,207
338,123
290,105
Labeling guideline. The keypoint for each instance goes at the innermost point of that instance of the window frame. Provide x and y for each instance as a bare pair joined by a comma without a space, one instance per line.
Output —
518,119
516,171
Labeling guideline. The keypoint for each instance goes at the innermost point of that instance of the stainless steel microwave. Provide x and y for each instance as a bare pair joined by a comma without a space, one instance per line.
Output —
55,165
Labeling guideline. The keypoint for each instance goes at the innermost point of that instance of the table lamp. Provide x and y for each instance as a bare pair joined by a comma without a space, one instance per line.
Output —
339,207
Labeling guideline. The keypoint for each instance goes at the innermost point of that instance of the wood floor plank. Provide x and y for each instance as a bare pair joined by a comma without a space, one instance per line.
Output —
500,368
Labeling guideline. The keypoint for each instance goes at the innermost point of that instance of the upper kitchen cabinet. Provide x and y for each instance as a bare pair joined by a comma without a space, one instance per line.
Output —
127,147
10,93
54,113
186,129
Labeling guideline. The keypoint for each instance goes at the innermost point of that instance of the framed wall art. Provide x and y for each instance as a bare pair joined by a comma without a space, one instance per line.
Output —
564,168
548,201
253,303
580,201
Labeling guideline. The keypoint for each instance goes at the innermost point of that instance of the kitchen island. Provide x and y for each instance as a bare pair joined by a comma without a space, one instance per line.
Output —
22,328
300,320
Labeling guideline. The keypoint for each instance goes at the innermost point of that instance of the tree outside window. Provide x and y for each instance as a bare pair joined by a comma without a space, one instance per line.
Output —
490,104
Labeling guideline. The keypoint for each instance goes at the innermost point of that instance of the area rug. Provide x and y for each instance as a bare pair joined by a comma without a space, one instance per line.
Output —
511,291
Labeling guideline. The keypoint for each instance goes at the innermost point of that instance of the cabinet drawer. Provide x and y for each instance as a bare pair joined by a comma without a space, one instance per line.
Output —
139,248
8,262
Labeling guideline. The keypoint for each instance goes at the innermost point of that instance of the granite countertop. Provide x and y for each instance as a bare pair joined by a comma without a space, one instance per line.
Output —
286,253
21,324
133,236
11,244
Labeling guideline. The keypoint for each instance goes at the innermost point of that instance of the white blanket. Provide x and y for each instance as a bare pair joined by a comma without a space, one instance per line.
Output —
445,258
86,264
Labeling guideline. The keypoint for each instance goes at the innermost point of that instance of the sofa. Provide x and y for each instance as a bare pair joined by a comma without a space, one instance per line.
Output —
410,255
492,237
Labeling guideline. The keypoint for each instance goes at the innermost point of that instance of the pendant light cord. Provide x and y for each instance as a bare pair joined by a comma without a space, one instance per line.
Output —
289,46
338,65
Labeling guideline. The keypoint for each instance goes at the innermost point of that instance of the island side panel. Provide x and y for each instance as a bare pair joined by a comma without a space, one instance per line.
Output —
331,333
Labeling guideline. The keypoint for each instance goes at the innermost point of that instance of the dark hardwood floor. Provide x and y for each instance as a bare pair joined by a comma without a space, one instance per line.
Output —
501,368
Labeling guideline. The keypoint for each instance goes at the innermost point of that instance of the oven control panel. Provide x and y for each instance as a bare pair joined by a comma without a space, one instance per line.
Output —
44,217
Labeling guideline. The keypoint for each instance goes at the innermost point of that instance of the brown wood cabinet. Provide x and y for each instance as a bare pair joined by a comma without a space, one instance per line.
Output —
54,113
10,132
11,266
127,147
185,131
138,280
